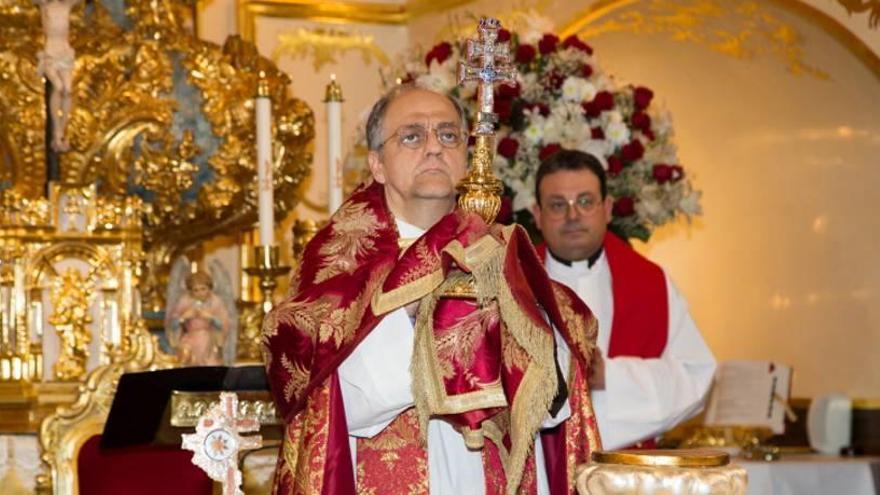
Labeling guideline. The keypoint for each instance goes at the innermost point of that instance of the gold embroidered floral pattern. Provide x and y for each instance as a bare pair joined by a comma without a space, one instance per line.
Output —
458,343
428,262
353,236
299,377
583,332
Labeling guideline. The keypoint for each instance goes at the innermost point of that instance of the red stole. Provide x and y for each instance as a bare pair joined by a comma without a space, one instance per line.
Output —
641,305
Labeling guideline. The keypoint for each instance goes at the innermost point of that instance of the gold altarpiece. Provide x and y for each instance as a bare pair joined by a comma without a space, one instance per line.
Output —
161,158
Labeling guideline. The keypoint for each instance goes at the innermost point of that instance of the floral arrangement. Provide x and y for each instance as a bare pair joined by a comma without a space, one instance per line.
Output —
562,99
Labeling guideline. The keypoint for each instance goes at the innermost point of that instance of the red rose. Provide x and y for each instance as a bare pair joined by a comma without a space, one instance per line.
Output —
574,42
503,36
615,166
508,147
503,107
677,173
554,80
597,133
632,151
542,108
548,43
604,101
642,97
641,121
548,150
586,71
439,53
525,54
590,109
508,91
662,173
624,207
649,134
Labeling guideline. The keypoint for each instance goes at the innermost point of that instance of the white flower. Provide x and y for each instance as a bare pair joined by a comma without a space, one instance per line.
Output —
690,203
525,194
617,133
554,128
531,25
596,147
578,89
437,80
534,133
532,90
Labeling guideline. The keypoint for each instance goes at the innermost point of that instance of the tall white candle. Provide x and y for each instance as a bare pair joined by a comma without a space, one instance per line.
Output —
265,198
333,100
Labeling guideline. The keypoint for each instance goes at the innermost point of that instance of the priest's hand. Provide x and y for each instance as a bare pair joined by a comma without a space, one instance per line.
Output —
597,371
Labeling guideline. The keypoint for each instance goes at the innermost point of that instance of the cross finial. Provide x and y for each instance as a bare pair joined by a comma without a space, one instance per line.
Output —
488,63
217,442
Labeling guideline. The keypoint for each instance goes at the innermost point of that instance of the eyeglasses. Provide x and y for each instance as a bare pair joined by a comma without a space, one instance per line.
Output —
414,137
557,208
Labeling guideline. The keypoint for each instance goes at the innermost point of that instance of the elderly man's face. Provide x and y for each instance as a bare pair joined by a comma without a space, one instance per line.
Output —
424,154
572,214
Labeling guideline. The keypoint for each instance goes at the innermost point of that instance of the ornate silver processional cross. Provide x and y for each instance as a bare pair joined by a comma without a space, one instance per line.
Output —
488,63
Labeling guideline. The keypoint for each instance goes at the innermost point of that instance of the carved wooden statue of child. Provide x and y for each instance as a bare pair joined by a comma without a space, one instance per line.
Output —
199,323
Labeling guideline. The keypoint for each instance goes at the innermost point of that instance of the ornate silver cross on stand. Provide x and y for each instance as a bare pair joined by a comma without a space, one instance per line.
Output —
487,63
217,442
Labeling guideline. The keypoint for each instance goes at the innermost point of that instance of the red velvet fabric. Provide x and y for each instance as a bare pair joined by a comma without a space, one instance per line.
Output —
139,471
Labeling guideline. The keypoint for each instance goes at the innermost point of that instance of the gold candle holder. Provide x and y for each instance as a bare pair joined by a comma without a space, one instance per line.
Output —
267,269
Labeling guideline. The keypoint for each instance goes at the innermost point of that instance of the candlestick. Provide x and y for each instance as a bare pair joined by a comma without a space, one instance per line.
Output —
333,100
265,199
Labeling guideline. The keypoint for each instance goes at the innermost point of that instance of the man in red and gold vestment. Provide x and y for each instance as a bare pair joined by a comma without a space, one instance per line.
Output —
343,352
653,368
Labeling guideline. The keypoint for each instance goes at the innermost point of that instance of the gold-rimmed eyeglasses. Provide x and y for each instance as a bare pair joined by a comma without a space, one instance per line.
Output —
415,136
558,207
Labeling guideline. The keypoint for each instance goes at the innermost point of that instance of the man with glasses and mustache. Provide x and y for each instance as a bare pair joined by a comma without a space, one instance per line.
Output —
654,368
339,349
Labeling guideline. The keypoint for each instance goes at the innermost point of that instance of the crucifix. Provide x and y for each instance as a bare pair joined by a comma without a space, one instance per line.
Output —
56,63
217,442
488,63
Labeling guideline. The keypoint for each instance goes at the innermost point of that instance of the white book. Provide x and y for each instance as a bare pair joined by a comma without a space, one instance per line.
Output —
750,393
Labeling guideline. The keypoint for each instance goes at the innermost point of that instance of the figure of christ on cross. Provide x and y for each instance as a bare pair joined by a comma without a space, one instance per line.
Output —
56,62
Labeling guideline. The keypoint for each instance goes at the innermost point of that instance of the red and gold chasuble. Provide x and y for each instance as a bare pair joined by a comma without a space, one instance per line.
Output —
486,366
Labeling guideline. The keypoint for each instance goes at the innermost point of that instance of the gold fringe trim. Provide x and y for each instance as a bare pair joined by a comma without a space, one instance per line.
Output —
429,391
538,386
485,259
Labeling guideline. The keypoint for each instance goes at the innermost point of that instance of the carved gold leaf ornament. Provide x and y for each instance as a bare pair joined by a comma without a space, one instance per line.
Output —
742,29
860,6
71,297
157,113
325,45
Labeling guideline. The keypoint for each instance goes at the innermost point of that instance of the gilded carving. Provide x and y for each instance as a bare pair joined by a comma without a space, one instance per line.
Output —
859,6
741,29
325,45
71,299
159,114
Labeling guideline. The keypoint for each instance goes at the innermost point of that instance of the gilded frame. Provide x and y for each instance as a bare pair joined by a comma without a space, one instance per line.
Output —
336,12
823,21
